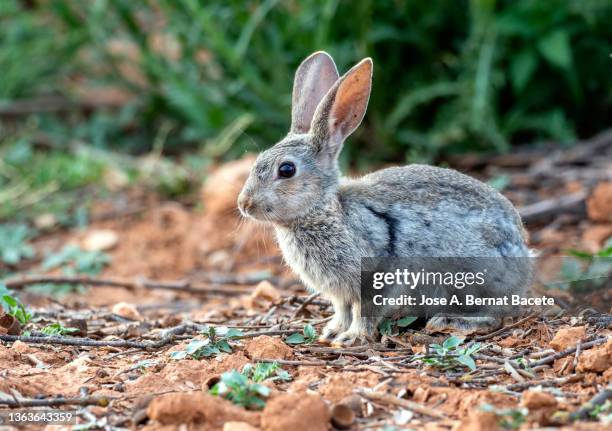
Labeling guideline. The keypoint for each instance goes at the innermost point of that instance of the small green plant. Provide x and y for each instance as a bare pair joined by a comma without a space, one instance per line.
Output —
508,418
389,327
308,336
72,260
13,307
271,371
602,411
14,245
585,271
449,356
216,341
57,329
240,390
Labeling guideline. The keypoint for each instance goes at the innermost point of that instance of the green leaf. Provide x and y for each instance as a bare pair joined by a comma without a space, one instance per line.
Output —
261,389
234,333
406,321
452,342
296,338
10,301
196,345
555,48
310,333
522,68
57,329
178,355
385,326
467,361
224,346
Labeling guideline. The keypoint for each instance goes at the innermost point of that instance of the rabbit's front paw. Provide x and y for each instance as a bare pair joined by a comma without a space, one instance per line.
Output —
352,337
335,326
359,333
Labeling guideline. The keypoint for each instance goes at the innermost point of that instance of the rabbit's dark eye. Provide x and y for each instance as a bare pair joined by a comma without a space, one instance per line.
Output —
286,170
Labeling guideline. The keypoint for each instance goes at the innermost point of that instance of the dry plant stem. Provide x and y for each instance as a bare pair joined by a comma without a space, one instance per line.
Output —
504,329
271,333
167,338
553,358
49,402
292,363
304,304
599,399
85,342
410,405
513,373
180,286
545,382
549,208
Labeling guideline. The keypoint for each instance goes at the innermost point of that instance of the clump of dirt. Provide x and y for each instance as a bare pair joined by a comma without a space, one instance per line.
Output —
567,337
594,237
541,405
298,411
150,383
224,363
599,204
266,347
238,426
187,372
339,386
198,407
538,399
127,311
479,421
596,360
69,378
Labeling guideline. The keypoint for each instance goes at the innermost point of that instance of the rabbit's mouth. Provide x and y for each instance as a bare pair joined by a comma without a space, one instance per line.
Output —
250,209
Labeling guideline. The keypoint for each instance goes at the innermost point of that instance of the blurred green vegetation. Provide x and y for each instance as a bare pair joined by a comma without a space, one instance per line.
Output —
212,79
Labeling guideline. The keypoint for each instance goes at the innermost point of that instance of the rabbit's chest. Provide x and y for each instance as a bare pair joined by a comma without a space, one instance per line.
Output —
322,262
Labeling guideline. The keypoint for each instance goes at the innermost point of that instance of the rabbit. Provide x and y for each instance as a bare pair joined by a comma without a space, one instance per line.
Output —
325,223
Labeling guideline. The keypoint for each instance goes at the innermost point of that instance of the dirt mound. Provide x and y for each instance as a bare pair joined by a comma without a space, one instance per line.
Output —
296,412
200,408
265,347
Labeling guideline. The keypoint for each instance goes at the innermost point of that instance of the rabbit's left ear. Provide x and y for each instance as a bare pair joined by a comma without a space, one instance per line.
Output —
343,108
313,78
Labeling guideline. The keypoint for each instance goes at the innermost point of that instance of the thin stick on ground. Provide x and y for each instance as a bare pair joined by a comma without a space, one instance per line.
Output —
407,404
553,358
504,329
180,286
599,399
556,381
167,338
60,401
304,304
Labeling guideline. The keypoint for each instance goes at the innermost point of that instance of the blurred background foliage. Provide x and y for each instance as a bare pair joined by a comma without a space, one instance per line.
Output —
209,80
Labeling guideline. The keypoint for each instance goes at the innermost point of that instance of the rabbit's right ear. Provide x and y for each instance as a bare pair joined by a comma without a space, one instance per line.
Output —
313,78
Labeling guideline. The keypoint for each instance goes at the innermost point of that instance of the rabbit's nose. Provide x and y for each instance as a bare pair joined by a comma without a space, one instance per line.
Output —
245,203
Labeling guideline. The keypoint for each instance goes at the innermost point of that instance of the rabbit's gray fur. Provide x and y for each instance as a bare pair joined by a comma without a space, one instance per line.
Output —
326,223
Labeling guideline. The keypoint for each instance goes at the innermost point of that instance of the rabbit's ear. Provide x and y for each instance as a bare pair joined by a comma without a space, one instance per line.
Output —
342,109
313,78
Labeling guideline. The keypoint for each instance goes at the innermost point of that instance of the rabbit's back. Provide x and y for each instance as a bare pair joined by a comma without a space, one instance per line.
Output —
421,210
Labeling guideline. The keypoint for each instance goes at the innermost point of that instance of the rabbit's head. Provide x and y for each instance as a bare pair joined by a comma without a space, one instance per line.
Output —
288,180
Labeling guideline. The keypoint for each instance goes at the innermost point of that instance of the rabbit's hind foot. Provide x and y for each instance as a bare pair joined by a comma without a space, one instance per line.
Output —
463,325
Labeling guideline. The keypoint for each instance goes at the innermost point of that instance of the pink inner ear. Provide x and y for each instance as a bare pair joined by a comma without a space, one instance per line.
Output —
315,76
352,99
